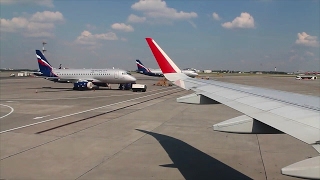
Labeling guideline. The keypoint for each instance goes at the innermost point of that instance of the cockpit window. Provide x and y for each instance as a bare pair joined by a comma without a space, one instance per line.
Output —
125,73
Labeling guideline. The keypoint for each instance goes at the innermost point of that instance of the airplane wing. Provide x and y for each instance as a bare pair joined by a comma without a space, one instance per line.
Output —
265,110
72,80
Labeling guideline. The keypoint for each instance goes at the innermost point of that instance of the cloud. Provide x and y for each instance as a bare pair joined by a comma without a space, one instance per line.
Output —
158,9
308,53
87,38
293,58
216,16
13,25
307,40
136,19
122,27
245,20
47,16
47,3
40,24
124,39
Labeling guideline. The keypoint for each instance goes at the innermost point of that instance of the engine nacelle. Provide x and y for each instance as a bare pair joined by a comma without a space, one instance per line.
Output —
82,85
89,85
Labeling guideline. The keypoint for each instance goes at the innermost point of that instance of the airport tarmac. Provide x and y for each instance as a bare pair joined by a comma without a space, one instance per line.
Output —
49,131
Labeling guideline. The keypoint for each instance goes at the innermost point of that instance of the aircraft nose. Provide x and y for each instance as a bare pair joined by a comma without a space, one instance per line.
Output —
194,74
133,79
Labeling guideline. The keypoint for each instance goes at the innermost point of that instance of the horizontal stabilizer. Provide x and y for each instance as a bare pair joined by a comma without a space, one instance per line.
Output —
196,99
309,169
244,124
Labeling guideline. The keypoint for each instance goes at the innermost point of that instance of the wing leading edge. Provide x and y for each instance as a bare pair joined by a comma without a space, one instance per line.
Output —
294,114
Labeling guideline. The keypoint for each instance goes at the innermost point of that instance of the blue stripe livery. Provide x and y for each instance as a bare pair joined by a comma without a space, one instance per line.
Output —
44,66
144,70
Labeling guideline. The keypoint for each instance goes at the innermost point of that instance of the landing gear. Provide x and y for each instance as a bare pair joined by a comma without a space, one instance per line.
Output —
95,87
81,86
126,86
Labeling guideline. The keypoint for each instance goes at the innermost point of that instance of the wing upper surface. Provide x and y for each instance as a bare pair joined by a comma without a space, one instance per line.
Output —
295,114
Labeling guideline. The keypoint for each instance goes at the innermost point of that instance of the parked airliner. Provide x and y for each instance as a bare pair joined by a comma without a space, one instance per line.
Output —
83,78
157,72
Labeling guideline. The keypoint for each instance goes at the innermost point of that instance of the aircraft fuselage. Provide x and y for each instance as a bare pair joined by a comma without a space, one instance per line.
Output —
111,76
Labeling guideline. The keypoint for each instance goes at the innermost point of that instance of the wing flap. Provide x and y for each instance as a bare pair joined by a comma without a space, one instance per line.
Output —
308,169
292,112
302,124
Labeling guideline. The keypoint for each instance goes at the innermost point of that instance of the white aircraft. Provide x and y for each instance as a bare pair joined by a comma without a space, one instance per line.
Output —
157,72
265,110
83,78
306,77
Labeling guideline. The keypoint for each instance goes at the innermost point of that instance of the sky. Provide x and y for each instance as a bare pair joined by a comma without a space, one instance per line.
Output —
244,35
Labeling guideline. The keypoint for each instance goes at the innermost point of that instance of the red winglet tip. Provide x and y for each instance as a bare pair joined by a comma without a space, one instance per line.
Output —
160,58
149,40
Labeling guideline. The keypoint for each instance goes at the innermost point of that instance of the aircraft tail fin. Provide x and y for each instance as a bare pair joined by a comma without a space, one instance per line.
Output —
44,66
141,67
170,70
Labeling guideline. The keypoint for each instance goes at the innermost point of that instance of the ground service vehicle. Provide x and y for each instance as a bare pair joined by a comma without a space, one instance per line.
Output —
139,87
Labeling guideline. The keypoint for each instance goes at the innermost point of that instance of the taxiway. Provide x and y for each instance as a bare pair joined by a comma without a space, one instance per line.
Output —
49,131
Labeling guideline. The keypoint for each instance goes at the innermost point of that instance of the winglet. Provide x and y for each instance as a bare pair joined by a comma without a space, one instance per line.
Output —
169,69
165,63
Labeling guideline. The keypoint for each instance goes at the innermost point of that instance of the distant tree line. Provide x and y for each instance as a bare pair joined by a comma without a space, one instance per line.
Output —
33,70
251,72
